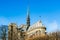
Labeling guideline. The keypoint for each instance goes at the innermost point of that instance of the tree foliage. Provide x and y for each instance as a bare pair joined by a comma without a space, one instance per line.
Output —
3,32
50,36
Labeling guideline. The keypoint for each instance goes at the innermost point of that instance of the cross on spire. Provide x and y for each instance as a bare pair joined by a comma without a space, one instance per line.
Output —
28,8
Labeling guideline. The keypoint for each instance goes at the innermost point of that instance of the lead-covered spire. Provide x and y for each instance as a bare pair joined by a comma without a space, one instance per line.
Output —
28,16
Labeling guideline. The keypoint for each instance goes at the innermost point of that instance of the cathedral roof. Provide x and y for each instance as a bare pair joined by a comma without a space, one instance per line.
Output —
38,24
22,27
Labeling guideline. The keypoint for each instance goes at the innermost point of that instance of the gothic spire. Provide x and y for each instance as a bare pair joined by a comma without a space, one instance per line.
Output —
28,17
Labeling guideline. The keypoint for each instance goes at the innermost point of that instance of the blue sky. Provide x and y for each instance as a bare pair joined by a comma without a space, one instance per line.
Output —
16,11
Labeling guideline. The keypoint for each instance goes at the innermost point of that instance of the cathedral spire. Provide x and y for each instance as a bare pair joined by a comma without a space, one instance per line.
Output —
28,17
